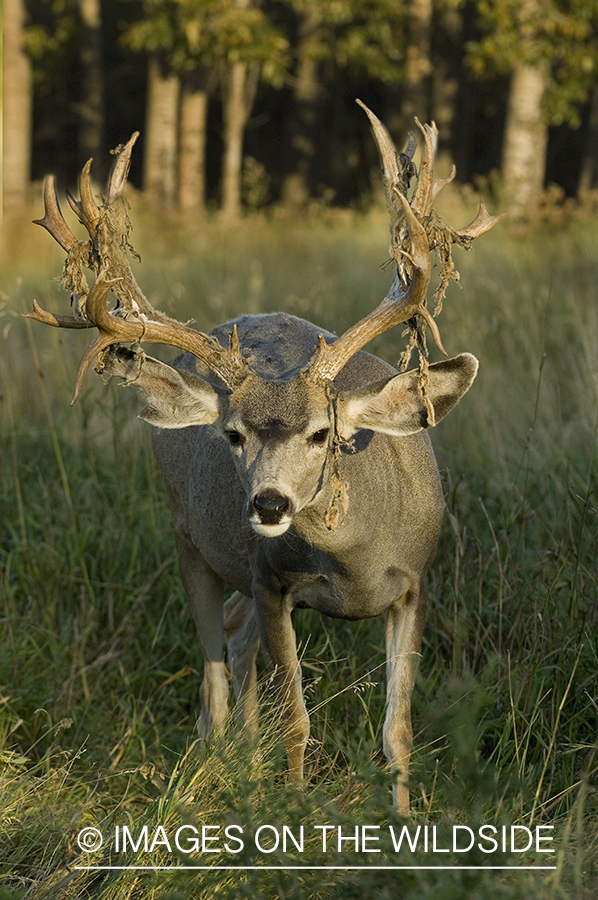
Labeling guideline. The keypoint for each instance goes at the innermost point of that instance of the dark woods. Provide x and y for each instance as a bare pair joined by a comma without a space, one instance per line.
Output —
242,104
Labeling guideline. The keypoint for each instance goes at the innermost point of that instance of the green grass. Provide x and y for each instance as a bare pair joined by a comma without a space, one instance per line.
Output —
99,666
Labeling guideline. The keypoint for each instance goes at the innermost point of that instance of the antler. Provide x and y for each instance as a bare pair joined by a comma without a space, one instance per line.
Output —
415,231
133,319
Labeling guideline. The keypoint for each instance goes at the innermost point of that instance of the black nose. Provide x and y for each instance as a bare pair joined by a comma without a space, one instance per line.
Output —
270,507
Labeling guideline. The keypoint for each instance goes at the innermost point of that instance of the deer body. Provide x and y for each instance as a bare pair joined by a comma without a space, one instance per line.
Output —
297,465
372,562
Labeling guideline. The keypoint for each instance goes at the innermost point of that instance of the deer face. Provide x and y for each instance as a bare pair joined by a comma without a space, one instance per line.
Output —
279,435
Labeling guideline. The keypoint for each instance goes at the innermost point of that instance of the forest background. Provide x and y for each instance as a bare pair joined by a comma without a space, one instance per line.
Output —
242,103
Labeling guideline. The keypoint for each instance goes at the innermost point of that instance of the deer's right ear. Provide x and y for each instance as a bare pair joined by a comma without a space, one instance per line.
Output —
175,398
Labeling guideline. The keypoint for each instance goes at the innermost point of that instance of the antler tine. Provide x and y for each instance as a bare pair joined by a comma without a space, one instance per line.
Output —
482,223
88,204
398,169
48,318
76,206
415,298
429,184
53,220
120,169
86,208
421,200
97,314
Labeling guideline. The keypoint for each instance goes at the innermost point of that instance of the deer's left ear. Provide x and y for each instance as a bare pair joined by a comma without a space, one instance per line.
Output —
396,406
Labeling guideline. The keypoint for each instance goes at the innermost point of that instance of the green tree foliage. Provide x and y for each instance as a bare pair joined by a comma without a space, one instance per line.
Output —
191,33
364,35
51,39
561,33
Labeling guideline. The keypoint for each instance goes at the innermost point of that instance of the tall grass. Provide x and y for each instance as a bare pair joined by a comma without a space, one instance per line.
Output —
99,668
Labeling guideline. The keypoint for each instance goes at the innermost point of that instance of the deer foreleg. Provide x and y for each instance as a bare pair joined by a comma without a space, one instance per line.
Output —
404,627
277,637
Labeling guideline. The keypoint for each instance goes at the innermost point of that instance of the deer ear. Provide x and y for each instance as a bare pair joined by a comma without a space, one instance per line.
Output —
175,398
396,406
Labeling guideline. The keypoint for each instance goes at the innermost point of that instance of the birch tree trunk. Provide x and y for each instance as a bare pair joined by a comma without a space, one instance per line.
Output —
192,152
17,105
160,157
240,84
234,126
526,138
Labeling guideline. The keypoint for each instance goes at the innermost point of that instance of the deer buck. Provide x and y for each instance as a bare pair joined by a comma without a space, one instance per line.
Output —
297,465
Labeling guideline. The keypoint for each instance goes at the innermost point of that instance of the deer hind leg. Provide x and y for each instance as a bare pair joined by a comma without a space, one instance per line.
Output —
404,628
204,591
242,639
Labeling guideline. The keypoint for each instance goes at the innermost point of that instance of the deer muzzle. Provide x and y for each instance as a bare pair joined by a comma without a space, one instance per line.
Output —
271,513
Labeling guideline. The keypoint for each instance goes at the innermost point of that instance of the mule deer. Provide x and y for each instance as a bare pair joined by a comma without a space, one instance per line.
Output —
298,466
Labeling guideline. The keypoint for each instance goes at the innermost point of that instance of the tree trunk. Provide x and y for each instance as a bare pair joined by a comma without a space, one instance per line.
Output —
160,156
301,127
526,138
17,105
192,153
91,101
240,85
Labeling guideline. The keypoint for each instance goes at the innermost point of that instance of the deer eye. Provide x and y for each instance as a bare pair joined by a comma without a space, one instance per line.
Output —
320,437
234,438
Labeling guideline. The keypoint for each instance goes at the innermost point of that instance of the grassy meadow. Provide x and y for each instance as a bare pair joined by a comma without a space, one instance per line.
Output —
99,661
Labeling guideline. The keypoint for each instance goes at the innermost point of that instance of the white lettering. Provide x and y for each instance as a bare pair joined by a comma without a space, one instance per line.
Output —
276,839
207,838
365,838
342,838
540,828
493,841
324,829
405,833
471,838
128,837
530,838
436,849
286,832
191,844
232,837
160,840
